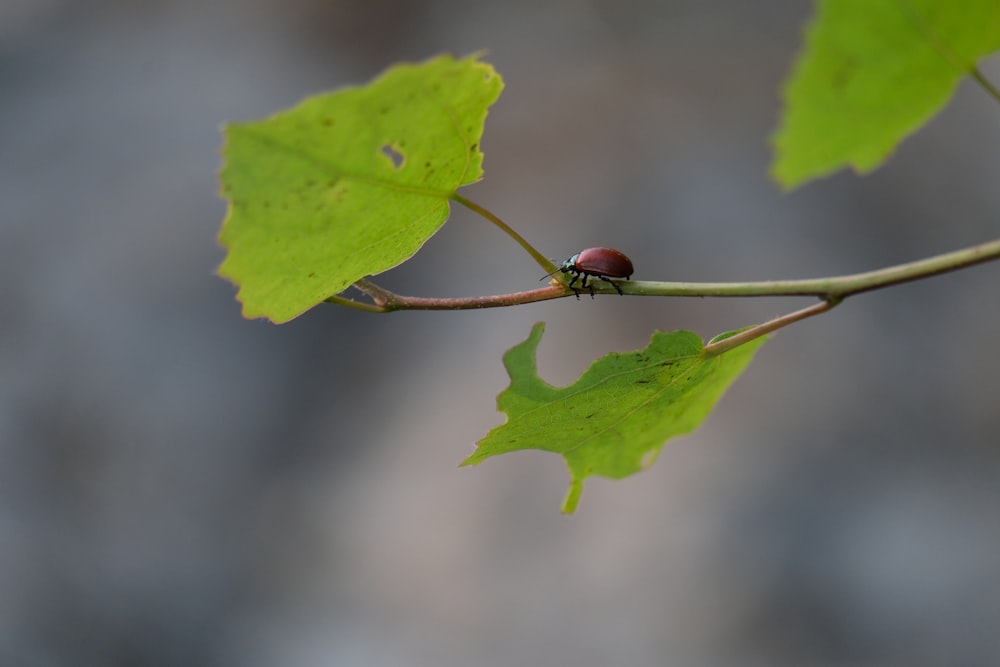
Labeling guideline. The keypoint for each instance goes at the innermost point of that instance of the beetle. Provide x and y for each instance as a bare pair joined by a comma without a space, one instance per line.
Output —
602,263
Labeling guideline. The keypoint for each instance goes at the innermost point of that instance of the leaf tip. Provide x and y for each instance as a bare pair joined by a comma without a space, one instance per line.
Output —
780,176
472,459
573,494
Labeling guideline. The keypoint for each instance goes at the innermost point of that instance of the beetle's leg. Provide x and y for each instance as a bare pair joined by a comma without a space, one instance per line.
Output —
576,276
613,284
584,284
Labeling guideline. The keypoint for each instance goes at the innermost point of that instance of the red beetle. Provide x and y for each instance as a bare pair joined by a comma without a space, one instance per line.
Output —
603,263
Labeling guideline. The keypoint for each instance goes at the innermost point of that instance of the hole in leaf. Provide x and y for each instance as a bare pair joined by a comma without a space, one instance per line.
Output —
394,155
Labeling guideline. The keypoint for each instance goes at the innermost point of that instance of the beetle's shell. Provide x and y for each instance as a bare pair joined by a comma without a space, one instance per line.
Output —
602,262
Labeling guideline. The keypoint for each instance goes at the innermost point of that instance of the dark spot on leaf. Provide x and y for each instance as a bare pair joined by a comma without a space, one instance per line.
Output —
384,110
473,148
843,76
312,274
427,164
326,122
394,156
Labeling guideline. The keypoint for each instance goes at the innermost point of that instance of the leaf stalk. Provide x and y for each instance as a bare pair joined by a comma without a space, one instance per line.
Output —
542,260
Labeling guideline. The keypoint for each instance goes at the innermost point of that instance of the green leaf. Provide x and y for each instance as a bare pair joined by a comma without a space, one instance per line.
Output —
614,420
349,183
873,72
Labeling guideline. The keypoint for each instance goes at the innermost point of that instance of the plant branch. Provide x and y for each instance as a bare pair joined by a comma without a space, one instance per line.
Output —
832,290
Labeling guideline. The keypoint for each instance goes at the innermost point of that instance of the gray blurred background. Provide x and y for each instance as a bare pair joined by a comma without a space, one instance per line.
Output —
179,486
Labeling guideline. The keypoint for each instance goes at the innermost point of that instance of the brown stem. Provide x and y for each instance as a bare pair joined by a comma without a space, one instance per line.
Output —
387,302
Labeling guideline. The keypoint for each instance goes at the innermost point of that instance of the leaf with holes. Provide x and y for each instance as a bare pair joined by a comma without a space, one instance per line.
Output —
872,73
350,183
614,420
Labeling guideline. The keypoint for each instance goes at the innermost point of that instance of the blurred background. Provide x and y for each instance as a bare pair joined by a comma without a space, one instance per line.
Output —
179,486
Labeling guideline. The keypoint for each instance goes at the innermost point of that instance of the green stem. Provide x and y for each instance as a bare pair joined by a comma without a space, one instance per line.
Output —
725,344
827,288
542,260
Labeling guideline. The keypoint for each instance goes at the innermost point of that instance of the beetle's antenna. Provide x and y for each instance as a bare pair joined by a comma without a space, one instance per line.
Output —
550,274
